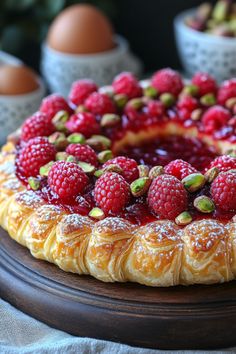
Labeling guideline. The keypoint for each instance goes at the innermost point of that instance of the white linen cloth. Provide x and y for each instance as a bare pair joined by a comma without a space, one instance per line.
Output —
21,334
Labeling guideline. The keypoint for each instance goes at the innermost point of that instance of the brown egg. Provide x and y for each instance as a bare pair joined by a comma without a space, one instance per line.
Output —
81,29
16,80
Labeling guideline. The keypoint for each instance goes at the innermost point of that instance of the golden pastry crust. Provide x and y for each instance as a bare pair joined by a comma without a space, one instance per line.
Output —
157,254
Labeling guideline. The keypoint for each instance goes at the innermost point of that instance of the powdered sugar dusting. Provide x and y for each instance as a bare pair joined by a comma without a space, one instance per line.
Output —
159,231
48,212
7,167
204,234
74,222
113,225
29,199
12,184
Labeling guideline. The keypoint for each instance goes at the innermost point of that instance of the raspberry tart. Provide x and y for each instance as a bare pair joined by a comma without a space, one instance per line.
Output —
130,182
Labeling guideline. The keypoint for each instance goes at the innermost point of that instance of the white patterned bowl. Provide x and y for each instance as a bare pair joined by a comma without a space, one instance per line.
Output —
60,70
200,51
14,109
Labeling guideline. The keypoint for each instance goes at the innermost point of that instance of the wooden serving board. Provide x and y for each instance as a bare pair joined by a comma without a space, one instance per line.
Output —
166,318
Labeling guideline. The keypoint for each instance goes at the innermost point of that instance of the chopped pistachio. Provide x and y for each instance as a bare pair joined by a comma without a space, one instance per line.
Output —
196,114
86,167
62,156
184,218
230,103
76,138
194,182
136,103
211,174
208,100
167,99
34,183
80,109
59,140
99,142
143,170
104,156
120,100
191,90
60,119
113,168
97,213
140,186
44,170
204,204
156,171
231,152
150,92
72,158
110,119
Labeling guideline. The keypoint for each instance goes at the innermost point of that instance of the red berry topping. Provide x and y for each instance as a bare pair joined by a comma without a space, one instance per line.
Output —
53,104
215,118
84,123
80,90
186,105
36,153
167,80
129,167
99,104
155,108
127,84
223,191
205,83
39,124
227,90
224,163
167,197
111,193
83,153
179,168
67,179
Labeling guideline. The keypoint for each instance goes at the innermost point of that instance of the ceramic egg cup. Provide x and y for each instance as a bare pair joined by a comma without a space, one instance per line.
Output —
200,51
15,108
60,70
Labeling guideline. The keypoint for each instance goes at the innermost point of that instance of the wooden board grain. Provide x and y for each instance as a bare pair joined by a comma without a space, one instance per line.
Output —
193,317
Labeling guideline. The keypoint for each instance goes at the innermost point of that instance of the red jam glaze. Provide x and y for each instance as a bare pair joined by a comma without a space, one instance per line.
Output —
161,151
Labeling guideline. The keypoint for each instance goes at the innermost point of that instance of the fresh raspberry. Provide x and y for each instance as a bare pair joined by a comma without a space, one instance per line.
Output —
80,90
53,104
36,153
155,108
167,80
186,105
111,193
127,84
167,197
99,104
129,167
84,123
179,168
39,124
205,83
224,163
67,179
83,153
227,90
223,191
215,118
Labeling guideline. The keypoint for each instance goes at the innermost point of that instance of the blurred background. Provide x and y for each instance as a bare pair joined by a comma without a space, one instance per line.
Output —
147,25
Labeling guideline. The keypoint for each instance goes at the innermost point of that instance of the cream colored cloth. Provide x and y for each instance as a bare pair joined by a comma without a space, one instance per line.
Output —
21,334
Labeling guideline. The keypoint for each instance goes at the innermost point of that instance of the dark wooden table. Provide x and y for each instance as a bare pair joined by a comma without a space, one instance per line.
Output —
166,318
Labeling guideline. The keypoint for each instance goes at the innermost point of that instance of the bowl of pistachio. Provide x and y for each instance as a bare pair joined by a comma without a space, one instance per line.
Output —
206,39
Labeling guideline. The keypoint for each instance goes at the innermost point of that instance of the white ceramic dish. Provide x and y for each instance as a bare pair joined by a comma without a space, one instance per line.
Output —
14,109
200,51
60,70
